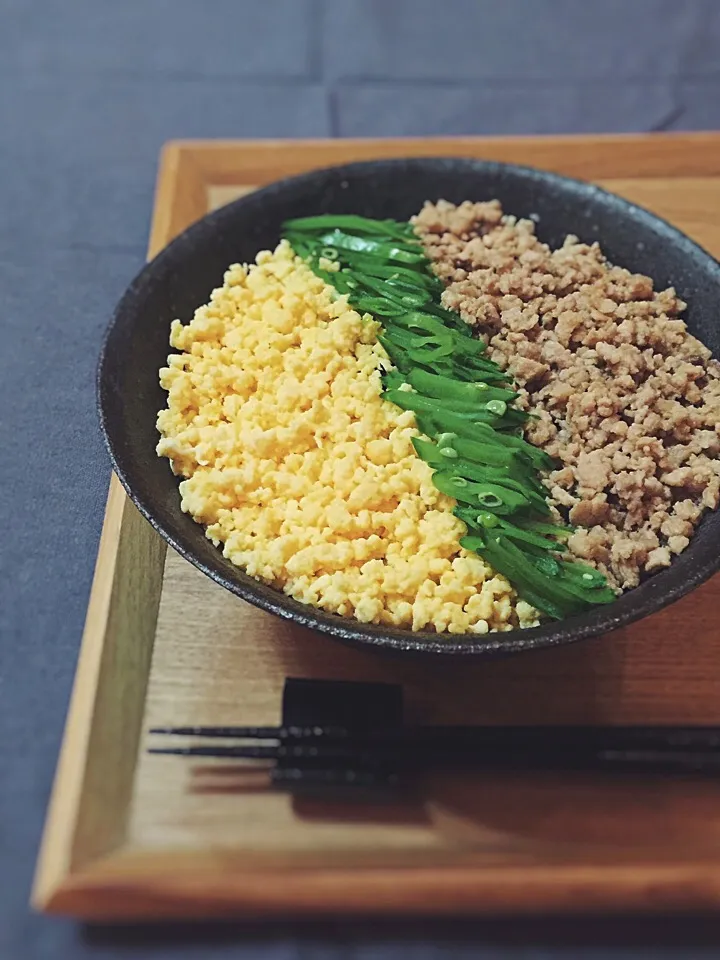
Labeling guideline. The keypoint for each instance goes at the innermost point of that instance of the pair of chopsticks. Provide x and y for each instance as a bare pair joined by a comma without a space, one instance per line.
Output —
411,749
352,733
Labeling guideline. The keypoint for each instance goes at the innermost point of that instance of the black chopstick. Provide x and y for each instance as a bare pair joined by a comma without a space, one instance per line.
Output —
452,737
253,733
670,749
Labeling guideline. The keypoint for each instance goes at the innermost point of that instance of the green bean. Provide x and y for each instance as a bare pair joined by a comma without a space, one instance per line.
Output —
538,456
494,458
528,536
473,375
409,300
409,341
432,385
453,319
373,267
439,456
439,348
568,578
498,559
330,221
518,567
587,575
501,476
492,452
476,374
571,588
431,454
400,285
552,530
386,250
447,420
472,352
468,409
417,320
473,359
377,306
415,348
504,500
465,426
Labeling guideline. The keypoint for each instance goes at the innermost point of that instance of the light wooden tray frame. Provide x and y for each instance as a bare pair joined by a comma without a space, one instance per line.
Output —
94,861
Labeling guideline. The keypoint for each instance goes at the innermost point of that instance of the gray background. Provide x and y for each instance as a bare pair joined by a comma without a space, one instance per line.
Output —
89,90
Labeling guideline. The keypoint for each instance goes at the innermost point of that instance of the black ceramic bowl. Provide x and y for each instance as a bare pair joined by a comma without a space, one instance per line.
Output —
180,279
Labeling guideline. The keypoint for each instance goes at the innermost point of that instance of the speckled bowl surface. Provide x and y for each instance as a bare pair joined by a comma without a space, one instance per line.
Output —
181,277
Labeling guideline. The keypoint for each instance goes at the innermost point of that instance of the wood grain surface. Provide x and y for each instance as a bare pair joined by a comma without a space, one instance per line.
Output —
132,834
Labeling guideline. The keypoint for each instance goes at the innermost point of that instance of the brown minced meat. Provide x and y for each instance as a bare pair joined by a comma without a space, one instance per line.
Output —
628,401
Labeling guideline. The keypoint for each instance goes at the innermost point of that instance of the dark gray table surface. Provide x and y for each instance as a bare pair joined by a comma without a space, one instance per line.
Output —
89,90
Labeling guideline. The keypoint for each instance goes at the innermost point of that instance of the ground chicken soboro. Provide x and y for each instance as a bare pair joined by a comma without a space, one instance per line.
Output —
628,400
302,472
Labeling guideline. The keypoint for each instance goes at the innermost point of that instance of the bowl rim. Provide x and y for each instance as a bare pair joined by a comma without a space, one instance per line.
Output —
598,621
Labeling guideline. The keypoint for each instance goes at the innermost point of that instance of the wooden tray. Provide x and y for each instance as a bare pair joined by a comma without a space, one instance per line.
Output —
134,835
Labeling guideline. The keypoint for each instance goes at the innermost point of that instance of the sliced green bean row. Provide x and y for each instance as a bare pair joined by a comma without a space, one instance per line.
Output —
463,402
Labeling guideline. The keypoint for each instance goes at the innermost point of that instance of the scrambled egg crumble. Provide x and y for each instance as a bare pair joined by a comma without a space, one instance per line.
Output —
304,474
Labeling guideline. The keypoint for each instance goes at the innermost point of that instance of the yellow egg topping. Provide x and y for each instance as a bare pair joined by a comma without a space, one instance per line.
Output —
302,472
